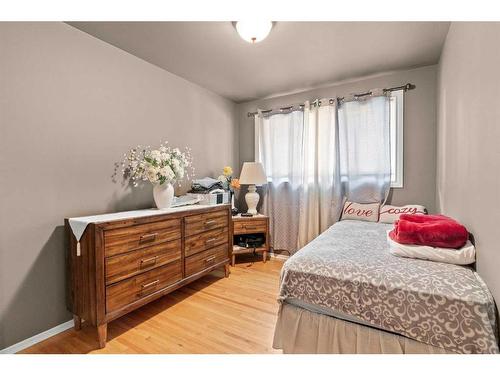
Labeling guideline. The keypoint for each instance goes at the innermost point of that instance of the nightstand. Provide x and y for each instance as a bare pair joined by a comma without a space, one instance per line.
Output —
258,225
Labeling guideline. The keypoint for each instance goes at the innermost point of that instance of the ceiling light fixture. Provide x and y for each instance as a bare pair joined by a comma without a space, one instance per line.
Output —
254,31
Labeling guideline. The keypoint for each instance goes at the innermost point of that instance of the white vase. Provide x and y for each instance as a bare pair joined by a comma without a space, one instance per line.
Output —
163,195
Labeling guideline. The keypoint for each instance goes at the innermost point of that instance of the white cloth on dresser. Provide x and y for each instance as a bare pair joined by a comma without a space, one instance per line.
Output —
79,224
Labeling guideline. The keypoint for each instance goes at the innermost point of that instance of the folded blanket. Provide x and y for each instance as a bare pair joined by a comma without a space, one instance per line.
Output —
429,230
464,255
205,185
424,218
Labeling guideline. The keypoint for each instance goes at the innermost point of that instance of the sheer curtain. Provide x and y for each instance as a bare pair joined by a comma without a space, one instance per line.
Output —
316,157
278,146
364,146
321,198
299,153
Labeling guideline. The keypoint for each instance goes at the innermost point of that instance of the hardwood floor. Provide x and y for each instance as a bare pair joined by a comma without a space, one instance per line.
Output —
212,315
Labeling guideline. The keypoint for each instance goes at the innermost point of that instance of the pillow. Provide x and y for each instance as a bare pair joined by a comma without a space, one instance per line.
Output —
360,211
389,214
462,256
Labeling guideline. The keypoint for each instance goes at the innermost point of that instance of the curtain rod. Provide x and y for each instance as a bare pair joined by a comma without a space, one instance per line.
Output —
407,87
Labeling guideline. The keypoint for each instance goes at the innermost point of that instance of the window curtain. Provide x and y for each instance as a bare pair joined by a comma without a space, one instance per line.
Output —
364,147
321,194
317,157
278,146
300,157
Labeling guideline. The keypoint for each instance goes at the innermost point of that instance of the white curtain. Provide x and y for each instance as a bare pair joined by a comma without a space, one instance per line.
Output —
364,145
278,146
316,157
299,154
321,198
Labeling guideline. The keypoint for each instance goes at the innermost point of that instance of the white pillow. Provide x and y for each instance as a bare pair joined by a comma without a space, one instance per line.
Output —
360,211
389,214
462,256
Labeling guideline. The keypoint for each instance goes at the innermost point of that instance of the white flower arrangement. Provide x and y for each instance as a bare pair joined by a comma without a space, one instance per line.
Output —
164,165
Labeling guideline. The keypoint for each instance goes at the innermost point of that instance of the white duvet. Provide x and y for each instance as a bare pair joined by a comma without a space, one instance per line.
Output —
464,255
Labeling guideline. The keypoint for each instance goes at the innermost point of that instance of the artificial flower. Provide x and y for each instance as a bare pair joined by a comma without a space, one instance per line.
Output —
164,165
235,183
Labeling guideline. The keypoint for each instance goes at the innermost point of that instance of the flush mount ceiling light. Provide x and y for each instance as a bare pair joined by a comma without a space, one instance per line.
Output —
253,31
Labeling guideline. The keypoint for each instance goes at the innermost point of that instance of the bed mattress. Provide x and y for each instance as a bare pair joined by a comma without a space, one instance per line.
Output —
349,272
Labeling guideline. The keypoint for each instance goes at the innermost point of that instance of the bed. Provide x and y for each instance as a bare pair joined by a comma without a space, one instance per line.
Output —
345,293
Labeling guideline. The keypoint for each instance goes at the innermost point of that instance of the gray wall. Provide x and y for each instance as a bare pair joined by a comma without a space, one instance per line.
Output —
70,106
468,177
419,127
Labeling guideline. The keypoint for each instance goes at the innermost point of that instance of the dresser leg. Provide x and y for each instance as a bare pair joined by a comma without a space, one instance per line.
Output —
77,321
233,261
102,334
264,256
226,270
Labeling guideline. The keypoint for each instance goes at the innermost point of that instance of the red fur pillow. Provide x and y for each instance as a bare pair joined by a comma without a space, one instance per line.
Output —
360,211
429,230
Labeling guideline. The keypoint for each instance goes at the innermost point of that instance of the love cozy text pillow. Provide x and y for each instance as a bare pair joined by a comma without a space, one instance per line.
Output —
360,211
389,214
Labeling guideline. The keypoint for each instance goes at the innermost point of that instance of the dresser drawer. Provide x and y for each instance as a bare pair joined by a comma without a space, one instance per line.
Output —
250,226
134,262
122,240
215,237
200,223
198,262
130,290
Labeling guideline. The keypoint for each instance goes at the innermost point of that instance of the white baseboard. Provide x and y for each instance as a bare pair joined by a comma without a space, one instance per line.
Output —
37,338
279,256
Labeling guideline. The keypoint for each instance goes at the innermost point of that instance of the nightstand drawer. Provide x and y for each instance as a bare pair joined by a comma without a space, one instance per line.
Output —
206,240
250,226
198,262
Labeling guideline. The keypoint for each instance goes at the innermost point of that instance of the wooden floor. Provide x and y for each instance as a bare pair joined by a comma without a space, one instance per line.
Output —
212,315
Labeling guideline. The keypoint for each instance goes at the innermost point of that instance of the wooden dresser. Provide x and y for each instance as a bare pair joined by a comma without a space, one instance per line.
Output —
120,265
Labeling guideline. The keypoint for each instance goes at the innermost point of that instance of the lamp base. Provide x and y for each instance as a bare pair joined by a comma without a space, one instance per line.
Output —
252,199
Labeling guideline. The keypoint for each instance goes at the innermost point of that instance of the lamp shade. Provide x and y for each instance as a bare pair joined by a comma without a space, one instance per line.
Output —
254,31
253,174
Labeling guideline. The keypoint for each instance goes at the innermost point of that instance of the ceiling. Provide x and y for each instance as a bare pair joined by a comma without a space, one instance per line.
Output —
295,56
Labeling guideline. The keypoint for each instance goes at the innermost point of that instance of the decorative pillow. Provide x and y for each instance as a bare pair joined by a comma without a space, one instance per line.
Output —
360,211
389,214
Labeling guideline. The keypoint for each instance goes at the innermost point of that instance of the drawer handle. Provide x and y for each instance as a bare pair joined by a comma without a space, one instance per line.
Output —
210,222
148,237
211,240
210,259
149,260
152,283
250,227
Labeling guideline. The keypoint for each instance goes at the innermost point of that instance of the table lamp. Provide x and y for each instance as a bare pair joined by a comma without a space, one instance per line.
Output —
252,174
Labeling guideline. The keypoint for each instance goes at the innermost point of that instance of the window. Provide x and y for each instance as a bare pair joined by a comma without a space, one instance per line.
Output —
396,108
279,144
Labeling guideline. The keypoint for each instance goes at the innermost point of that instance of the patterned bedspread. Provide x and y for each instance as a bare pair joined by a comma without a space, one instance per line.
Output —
349,270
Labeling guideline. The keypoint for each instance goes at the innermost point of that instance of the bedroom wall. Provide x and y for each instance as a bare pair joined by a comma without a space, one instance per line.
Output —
419,127
468,159
70,106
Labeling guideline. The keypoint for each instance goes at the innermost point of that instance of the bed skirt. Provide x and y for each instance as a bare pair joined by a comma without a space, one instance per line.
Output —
302,331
